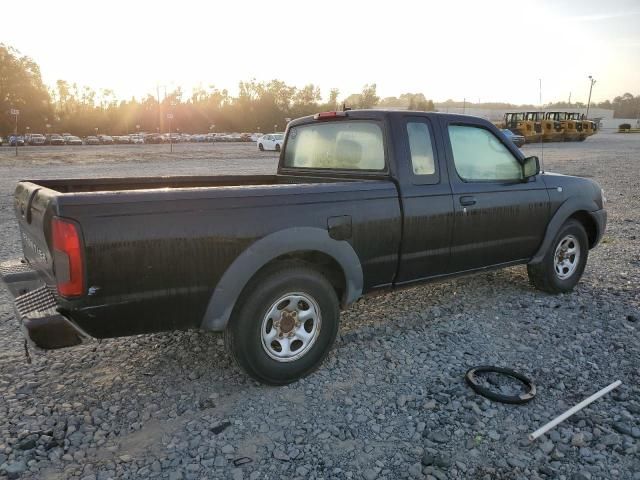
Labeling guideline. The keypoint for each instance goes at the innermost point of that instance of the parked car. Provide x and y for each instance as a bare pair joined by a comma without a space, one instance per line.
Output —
105,139
55,139
136,138
122,139
271,141
37,139
16,139
92,140
362,201
518,140
73,140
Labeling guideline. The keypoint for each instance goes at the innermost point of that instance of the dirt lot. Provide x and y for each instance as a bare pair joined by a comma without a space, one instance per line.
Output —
390,402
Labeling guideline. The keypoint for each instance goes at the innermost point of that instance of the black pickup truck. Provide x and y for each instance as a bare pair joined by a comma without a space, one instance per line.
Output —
362,201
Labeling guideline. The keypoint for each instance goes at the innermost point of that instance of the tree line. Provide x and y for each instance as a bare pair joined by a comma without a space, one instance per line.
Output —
258,106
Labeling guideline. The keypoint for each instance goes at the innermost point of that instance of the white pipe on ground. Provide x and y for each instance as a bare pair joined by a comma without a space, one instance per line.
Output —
545,428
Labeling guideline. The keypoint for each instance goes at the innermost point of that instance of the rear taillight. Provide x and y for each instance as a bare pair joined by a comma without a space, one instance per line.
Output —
67,258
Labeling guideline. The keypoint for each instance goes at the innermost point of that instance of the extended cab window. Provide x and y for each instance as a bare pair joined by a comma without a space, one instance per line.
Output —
341,145
479,155
422,159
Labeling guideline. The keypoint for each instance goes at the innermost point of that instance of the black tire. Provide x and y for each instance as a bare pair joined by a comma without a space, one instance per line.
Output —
243,339
260,147
543,275
277,147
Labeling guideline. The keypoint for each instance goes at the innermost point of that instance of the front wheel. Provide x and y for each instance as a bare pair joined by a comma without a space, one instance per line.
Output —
564,263
261,147
284,324
277,147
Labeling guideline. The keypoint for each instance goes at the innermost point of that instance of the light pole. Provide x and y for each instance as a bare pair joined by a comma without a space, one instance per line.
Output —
96,129
16,112
170,117
592,82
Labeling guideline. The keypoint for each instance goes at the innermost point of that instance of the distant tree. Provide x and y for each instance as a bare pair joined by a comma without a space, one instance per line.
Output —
352,101
333,99
21,87
368,96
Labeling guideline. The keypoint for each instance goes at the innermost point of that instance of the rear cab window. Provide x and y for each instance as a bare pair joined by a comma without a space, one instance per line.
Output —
337,145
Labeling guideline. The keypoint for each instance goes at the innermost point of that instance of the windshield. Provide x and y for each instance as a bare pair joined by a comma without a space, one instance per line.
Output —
343,145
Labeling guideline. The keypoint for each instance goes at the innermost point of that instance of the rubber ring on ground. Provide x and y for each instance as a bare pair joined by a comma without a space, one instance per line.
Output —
471,379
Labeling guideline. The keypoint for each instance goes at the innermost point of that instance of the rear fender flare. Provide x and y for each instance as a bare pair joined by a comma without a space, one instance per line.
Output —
257,255
568,208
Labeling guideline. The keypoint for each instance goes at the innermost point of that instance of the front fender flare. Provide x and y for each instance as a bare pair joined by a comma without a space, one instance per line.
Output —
258,254
568,208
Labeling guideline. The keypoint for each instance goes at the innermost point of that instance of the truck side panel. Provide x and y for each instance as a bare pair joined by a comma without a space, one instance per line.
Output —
153,266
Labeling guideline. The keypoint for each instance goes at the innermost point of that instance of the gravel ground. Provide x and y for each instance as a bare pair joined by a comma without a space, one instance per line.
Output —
390,401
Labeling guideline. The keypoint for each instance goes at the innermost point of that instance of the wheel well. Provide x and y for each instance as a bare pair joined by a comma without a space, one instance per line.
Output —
589,225
323,263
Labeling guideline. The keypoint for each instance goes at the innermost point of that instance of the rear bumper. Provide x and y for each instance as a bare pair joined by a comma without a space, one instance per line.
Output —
37,309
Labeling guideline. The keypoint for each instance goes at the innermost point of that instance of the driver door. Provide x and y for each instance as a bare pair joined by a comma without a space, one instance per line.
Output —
498,216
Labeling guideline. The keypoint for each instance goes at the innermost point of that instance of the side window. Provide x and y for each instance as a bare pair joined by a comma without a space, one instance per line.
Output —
422,158
479,155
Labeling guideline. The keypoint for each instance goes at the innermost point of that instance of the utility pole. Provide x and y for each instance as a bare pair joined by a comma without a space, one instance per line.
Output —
15,112
464,105
592,82
540,92
170,117
160,117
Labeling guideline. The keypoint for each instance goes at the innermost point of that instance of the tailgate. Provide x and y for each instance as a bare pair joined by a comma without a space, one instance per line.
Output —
34,208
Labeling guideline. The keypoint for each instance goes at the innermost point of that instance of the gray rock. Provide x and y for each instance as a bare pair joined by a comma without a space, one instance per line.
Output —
516,463
415,470
237,474
278,454
547,447
15,468
176,475
428,459
370,473
578,440
611,439
623,428
228,449
438,437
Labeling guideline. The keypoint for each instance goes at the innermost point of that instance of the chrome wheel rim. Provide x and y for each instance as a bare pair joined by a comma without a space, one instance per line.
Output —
290,327
566,257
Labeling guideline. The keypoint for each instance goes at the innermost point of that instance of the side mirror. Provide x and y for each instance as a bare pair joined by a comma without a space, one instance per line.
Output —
530,167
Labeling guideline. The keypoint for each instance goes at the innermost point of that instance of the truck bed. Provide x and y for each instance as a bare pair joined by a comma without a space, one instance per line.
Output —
155,248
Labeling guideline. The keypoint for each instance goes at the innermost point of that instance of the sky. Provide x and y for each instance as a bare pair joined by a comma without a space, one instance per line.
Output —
487,51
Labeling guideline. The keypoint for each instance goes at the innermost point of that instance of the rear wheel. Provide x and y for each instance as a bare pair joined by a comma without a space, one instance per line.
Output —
277,147
284,324
261,147
564,263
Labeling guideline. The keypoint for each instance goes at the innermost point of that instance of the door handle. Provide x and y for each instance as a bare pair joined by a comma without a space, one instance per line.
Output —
467,201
